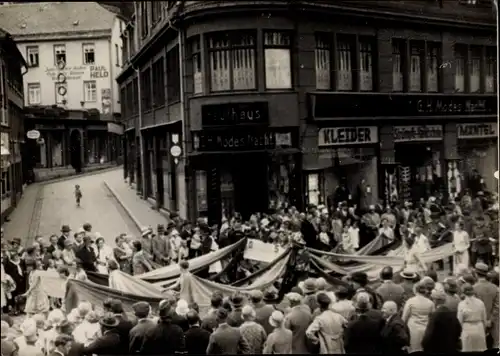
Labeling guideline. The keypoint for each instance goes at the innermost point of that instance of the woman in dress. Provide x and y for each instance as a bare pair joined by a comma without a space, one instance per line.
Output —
140,263
413,261
37,301
68,254
472,316
104,254
416,312
461,244
123,254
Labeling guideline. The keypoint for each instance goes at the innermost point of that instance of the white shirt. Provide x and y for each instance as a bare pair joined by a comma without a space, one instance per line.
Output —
461,240
354,235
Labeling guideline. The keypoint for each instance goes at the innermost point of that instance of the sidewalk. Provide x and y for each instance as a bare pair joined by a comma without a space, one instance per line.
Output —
46,174
140,211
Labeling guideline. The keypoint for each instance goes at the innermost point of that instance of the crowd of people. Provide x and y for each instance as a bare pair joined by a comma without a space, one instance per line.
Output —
404,313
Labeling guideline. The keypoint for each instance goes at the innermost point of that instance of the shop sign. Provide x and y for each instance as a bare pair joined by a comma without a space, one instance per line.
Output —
97,72
480,130
335,105
238,141
418,133
64,73
234,113
336,136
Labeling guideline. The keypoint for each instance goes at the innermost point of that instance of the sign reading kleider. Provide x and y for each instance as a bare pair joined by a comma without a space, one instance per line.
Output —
418,133
477,130
337,136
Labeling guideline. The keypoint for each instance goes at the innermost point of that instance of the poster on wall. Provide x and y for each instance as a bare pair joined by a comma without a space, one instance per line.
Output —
106,101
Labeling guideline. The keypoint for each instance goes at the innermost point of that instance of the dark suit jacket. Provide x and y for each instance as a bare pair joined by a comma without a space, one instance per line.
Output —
180,321
76,349
442,334
227,340
234,318
196,340
60,241
395,335
137,335
389,290
123,329
209,322
52,248
165,336
364,328
107,344
88,258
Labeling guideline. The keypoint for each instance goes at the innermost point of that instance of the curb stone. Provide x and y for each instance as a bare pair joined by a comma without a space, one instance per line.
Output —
127,210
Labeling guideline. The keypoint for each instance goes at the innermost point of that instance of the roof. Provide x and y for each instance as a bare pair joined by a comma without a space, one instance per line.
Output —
55,17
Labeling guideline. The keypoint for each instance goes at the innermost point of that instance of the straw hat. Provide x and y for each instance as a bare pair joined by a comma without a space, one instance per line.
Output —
276,318
182,307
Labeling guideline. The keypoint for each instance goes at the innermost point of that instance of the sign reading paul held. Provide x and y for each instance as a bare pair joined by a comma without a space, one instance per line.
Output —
337,136
477,130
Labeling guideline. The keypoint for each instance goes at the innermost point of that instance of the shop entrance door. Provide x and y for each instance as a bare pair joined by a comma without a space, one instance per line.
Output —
250,184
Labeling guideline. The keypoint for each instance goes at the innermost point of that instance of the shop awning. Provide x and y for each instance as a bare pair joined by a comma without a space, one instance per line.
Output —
4,151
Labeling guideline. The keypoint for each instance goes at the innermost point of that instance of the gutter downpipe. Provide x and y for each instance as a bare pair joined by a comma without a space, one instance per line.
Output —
180,40
138,132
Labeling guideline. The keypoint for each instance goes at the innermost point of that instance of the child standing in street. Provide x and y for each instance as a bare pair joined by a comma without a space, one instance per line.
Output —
78,195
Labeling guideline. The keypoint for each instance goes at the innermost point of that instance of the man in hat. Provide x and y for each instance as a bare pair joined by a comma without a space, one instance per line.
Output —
298,320
485,290
108,343
87,256
360,282
209,322
262,310
8,347
226,340
395,334
161,247
197,338
144,324
451,289
280,340
408,283
234,318
165,336
147,242
481,246
65,230
309,288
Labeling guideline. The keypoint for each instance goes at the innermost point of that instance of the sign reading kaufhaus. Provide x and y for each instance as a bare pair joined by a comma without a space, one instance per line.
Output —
477,130
329,105
234,113
242,140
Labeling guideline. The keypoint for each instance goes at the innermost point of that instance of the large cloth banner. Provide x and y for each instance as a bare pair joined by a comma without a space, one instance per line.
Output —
53,285
262,251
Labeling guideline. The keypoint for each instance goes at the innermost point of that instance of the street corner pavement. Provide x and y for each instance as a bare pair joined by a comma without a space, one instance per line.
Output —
98,208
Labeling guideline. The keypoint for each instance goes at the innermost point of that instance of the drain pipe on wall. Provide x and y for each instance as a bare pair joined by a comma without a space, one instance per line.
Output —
182,194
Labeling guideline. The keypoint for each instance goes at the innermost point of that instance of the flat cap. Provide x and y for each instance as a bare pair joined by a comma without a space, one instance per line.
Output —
141,308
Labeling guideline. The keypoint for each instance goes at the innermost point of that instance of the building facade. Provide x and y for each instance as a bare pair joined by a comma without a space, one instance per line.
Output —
251,106
12,68
74,56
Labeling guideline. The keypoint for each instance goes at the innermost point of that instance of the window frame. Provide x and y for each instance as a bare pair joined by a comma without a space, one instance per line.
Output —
230,49
430,46
55,54
196,58
144,19
327,47
156,12
158,82
146,94
85,46
475,54
349,39
173,75
85,82
31,86
419,46
461,50
28,59
288,47
490,62
399,45
372,43
56,88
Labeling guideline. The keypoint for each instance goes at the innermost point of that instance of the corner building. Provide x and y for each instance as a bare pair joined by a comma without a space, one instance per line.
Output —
274,103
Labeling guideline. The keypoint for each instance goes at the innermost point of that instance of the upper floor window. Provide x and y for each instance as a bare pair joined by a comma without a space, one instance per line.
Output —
278,59
125,49
32,56
156,11
34,94
135,97
433,54
475,70
173,76
194,46
323,59
398,50
345,63
144,18
88,53
490,69
59,54
366,49
232,61
459,72
416,58
146,99
89,91
159,82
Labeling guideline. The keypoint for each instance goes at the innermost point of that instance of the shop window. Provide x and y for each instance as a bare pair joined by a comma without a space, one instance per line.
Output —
32,56
490,69
366,50
433,52
34,94
460,55
173,76
195,48
146,99
59,54
397,65
475,70
61,90
278,60
88,53
159,82
345,63
232,61
323,57
416,56
90,91
314,189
